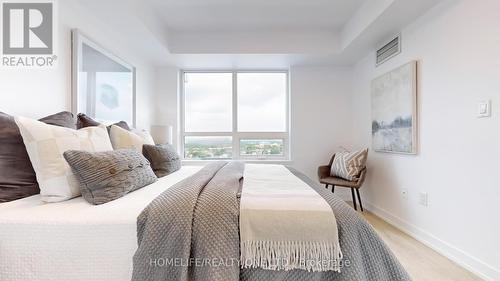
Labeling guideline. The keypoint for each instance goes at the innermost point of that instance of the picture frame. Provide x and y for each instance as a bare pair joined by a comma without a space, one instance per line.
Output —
394,111
103,85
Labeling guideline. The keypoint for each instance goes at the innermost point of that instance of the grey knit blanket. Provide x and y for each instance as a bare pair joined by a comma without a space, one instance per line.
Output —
191,232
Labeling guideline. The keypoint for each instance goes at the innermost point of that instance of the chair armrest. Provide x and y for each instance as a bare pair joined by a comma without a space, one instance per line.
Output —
323,172
331,160
362,177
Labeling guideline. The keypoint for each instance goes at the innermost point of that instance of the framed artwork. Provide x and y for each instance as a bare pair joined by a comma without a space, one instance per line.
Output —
103,85
394,110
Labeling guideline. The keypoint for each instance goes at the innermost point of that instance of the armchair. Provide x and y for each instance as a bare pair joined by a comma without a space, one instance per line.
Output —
326,179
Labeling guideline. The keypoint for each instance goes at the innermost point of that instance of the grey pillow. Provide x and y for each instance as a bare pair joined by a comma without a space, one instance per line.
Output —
106,176
61,119
163,158
83,121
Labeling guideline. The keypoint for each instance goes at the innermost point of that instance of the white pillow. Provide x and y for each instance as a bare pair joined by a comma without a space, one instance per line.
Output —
145,135
47,143
348,165
123,139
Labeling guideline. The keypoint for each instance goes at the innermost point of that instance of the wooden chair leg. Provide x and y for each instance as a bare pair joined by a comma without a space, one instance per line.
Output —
353,199
333,188
326,185
359,199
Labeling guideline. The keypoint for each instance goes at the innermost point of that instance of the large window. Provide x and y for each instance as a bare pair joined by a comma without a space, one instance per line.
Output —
235,115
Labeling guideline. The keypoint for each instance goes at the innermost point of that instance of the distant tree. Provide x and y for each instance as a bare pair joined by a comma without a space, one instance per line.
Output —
401,122
375,126
250,149
397,123
275,150
408,121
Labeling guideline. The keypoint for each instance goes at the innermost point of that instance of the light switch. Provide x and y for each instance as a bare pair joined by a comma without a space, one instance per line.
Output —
423,199
484,109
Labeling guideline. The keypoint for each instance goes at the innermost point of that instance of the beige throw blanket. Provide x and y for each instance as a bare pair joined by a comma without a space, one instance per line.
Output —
285,224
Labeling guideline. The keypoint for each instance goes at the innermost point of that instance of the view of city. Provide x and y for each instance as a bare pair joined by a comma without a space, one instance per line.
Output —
206,148
261,147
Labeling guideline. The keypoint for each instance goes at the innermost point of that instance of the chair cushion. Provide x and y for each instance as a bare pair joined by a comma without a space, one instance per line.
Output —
348,165
109,175
339,182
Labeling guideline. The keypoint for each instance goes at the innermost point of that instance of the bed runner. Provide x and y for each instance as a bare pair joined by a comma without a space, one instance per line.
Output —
285,224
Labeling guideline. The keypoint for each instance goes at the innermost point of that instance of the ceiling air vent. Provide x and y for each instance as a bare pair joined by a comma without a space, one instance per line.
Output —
389,50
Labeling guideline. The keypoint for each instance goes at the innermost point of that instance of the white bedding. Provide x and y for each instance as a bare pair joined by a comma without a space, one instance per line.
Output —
74,240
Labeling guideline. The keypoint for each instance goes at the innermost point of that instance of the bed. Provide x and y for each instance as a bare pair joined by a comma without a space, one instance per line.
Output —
74,240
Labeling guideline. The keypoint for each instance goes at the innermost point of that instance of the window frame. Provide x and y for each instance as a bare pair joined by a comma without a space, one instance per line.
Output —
237,136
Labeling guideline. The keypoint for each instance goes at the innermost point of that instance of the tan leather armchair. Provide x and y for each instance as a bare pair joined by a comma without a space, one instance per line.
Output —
326,179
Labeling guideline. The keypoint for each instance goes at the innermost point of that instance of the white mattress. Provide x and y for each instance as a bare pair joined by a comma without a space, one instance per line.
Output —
74,240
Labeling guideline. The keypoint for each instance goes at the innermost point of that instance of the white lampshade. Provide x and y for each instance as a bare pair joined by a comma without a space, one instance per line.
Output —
162,134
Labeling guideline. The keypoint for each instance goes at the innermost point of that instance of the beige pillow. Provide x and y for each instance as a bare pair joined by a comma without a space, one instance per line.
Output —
123,139
46,144
348,165
145,135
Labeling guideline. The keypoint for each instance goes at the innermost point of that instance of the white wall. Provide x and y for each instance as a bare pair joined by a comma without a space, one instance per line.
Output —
321,118
457,47
37,93
167,100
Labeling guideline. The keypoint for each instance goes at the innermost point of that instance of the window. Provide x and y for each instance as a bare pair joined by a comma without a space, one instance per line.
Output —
208,102
262,102
235,115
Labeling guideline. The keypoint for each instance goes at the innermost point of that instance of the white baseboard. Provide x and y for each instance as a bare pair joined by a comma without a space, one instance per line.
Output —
474,265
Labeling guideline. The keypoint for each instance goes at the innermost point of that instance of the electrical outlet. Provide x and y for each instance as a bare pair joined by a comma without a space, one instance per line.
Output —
423,199
404,193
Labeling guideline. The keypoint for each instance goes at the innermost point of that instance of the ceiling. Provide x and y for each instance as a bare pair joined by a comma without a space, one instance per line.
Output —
255,15
256,33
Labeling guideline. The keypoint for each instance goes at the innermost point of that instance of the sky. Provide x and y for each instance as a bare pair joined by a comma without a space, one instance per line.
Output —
261,102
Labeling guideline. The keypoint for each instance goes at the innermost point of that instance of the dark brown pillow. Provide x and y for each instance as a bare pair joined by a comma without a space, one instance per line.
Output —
17,177
61,119
163,158
84,121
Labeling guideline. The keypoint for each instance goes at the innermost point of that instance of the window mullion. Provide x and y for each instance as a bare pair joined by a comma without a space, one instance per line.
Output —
236,141
181,144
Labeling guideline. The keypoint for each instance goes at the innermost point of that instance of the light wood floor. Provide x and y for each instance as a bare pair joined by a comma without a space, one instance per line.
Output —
421,262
